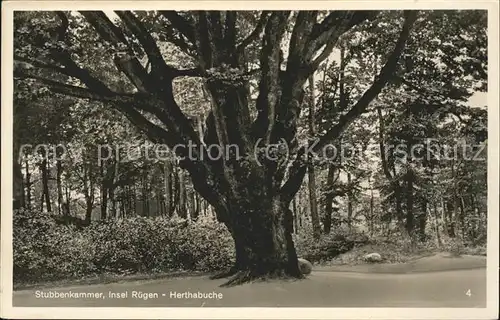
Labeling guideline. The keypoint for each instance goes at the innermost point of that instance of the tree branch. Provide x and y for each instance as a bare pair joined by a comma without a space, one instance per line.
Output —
74,91
106,29
337,26
204,41
144,37
296,177
270,69
181,25
255,34
384,76
63,28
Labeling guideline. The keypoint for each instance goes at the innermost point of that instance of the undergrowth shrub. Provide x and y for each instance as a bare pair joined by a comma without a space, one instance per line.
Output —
328,246
46,250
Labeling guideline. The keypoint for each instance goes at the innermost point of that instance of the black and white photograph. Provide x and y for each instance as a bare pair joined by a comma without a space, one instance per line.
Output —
284,162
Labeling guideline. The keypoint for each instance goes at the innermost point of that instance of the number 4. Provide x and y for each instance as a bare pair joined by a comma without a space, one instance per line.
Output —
468,293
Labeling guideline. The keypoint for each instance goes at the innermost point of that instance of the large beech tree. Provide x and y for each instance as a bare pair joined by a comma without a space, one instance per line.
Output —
238,56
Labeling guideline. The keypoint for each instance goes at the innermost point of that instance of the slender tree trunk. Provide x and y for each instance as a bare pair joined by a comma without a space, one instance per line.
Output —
395,185
104,192
28,183
327,220
175,190
88,191
372,215
67,201
167,188
134,203
59,186
17,177
196,206
145,195
104,203
409,204
463,227
113,185
349,202
88,212
313,202
422,221
436,226
45,184
448,218
454,220
295,216
182,195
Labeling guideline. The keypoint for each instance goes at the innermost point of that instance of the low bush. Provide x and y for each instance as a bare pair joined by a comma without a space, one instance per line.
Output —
328,246
45,250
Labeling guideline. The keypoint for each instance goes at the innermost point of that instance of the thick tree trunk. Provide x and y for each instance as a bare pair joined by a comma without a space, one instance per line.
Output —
262,233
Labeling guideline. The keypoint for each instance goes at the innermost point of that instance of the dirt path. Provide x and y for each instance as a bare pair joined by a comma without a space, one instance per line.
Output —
320,289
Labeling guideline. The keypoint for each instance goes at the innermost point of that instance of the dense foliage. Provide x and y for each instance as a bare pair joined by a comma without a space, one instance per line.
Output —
45,249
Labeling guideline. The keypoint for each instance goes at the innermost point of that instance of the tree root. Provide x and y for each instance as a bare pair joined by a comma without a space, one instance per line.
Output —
248,276
239,278
225,274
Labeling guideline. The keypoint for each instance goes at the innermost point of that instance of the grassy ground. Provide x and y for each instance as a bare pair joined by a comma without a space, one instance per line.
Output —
394,253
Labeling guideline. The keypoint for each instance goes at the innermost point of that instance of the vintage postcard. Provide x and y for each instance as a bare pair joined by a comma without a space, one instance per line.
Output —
250,159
